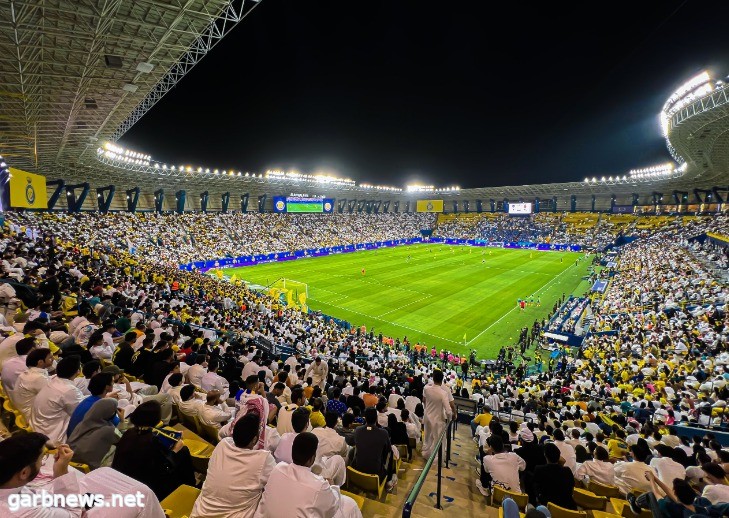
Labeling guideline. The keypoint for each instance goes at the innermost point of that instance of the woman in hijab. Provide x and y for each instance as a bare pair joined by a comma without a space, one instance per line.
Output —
94,436
151,455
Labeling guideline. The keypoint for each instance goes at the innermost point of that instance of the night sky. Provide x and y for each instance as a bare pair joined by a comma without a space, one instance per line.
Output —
473,93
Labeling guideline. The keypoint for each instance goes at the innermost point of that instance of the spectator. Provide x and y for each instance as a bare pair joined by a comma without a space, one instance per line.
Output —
553,481
237,474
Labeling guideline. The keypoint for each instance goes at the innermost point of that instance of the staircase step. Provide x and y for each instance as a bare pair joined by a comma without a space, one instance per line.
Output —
458,486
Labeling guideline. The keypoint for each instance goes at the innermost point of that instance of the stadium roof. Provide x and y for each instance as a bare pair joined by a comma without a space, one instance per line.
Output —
76,73
698,134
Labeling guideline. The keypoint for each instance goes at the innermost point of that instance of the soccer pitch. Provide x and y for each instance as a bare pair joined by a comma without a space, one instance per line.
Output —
434,293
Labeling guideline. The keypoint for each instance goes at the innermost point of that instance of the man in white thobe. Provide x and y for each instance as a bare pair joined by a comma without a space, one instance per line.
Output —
55,403
22,485
32,381
211,380
293,490
236,475
318,370
14,366
438,412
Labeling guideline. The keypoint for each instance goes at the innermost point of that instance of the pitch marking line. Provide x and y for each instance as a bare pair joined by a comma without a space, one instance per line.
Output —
386,321
406,305
380,284
332,292
512,309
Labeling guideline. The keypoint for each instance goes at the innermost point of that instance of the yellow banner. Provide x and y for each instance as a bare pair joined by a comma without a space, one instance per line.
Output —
430,206
27,190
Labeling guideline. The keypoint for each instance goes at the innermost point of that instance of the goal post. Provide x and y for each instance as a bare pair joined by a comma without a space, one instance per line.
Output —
296,287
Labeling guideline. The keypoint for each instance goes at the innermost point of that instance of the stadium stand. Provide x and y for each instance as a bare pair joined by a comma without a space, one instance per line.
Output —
652,370
120,373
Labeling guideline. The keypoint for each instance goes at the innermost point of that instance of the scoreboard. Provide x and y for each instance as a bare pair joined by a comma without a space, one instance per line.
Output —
301,204
520,209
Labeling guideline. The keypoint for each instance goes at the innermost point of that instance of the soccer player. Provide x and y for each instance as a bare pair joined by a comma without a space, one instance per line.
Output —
363,272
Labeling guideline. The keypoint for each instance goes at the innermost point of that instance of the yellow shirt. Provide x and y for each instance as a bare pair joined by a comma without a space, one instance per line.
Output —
483,419
617,448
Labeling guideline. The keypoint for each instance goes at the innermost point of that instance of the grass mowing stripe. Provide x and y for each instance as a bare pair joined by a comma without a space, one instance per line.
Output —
512,309
435,296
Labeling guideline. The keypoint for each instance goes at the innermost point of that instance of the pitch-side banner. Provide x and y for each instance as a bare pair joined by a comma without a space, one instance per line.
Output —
430,206
27,190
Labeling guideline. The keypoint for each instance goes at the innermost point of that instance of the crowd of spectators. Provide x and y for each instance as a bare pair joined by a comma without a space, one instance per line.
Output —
535,228
175,239
100,346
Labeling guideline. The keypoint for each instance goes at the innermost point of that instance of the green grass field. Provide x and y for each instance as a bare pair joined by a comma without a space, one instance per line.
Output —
440,294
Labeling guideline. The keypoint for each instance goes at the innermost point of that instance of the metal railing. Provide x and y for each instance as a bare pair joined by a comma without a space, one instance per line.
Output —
413,495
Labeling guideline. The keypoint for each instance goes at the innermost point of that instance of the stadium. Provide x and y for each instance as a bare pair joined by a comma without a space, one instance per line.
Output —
200,335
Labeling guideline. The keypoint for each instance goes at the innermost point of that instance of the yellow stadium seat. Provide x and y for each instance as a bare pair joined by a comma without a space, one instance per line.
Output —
588,500
560,512
7,405
190,422
209,433
359,500
403,449
179,503
621,507
603,514
21,423
365,481
500,493
604,490
177,413
84,468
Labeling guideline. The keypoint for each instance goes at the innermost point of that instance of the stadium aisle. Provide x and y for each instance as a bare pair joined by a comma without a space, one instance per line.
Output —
458,486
